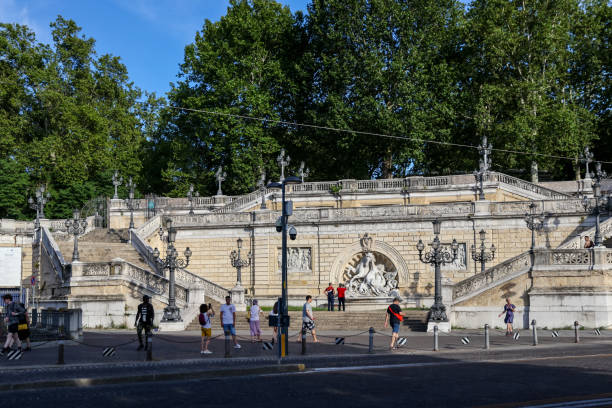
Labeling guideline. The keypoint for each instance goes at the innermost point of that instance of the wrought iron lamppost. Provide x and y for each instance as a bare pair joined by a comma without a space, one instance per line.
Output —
171,262
484,150
261,184
482,255
438,256
76,226
38,204
190,196
596,209
534,222
117,181
282,227
304,171
238,262
283,161
130,202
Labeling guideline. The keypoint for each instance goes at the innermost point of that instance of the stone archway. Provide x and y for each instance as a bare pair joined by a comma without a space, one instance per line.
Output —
383,253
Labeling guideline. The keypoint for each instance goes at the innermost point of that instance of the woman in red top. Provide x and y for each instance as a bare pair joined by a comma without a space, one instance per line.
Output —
341,300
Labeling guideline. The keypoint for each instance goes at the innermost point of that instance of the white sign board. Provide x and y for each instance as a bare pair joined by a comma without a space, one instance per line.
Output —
10,266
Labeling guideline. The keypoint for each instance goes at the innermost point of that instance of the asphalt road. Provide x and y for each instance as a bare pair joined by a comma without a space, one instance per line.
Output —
432,382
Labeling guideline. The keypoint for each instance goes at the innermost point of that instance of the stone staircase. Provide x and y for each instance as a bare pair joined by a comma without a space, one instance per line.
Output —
103,245
415,320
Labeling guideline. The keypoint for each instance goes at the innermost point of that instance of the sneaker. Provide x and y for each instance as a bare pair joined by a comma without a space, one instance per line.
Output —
237,346
206,352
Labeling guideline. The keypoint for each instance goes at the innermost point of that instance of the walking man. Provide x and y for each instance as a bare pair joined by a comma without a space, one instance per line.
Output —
509,310
330,297
308,318
144,320
13,313
228,320
341,299
394,317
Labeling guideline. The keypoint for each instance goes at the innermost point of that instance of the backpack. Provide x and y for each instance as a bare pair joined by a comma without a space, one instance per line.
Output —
202,319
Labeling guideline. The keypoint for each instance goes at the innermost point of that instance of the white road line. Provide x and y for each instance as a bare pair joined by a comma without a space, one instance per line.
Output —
575,404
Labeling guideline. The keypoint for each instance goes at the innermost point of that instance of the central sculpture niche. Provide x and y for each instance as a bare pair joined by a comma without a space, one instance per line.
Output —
370,273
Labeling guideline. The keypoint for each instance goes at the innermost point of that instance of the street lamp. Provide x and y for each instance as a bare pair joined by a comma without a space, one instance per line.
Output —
76,226
171,262
534,222
38,204
438,256
130,202
483,256
238,262
287,210
596,209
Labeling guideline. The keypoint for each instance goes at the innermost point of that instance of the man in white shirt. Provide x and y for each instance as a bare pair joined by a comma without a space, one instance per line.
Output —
228,320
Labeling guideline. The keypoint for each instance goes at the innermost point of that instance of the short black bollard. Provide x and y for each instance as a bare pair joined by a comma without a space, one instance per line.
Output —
487,344
535,332
371,342
227,345
60,352
436,348
303,341
576,337
149,348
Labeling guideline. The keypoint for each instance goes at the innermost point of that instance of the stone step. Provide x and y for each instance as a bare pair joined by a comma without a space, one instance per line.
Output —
106,235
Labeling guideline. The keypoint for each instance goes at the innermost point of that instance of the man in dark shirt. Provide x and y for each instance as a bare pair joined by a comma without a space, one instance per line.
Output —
144,320
330,297
394,317
13,312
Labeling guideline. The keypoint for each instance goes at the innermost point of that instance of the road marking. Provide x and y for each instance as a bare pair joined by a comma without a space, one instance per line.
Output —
575,404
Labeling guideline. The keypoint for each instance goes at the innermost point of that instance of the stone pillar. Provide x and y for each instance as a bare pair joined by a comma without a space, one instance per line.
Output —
237,294
534,172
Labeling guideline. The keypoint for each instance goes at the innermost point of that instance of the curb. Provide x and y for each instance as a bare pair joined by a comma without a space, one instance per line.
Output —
88,382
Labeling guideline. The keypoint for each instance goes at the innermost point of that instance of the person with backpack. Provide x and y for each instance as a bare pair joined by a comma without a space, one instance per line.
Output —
206,314
23,330
13,313
274,313
394,317
144,320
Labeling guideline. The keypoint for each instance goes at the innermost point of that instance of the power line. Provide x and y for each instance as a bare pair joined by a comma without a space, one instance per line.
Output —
360,132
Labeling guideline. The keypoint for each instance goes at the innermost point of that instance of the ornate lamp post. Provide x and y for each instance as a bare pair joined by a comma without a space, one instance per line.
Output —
596,209
482,255
130,202
304,171
283,161
484,150
38,204
76,226
220,176
238,262
117,181
534,222
587,158
171,262
281,226
190,197
438,256
261,184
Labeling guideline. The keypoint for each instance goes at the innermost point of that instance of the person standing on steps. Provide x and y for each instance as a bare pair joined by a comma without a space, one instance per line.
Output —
254,322
13,313
509,310
144,320
308,318
588,243
330,297
206,313
394,316
228,320
341,299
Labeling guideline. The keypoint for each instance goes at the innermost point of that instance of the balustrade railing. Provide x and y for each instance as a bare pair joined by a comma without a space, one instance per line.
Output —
52,250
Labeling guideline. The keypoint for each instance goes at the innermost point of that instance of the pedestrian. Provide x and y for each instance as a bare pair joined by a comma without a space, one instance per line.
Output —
144,320
509,310
341,299
206,314
23,330
588,243
228,320
13,313
308,318
394,316
274,314
254,322
330,297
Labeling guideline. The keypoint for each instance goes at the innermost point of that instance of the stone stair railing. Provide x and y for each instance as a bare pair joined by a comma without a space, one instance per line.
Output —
576,241
244,201
51,250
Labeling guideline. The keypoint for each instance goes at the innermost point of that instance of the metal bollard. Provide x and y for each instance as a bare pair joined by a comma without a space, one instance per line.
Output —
435,329
576,336
535,333
149,348
371,343
60,352
227,344
487,344
303,341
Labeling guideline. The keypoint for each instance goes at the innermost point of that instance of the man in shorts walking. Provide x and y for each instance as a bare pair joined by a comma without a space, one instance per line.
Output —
228,320
308,318
13,312
394,317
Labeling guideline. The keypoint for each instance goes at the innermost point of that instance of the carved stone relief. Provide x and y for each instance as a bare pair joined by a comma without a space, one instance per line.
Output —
459,264
299,260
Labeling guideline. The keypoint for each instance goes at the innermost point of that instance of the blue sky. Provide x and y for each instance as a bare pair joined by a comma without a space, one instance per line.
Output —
148,35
